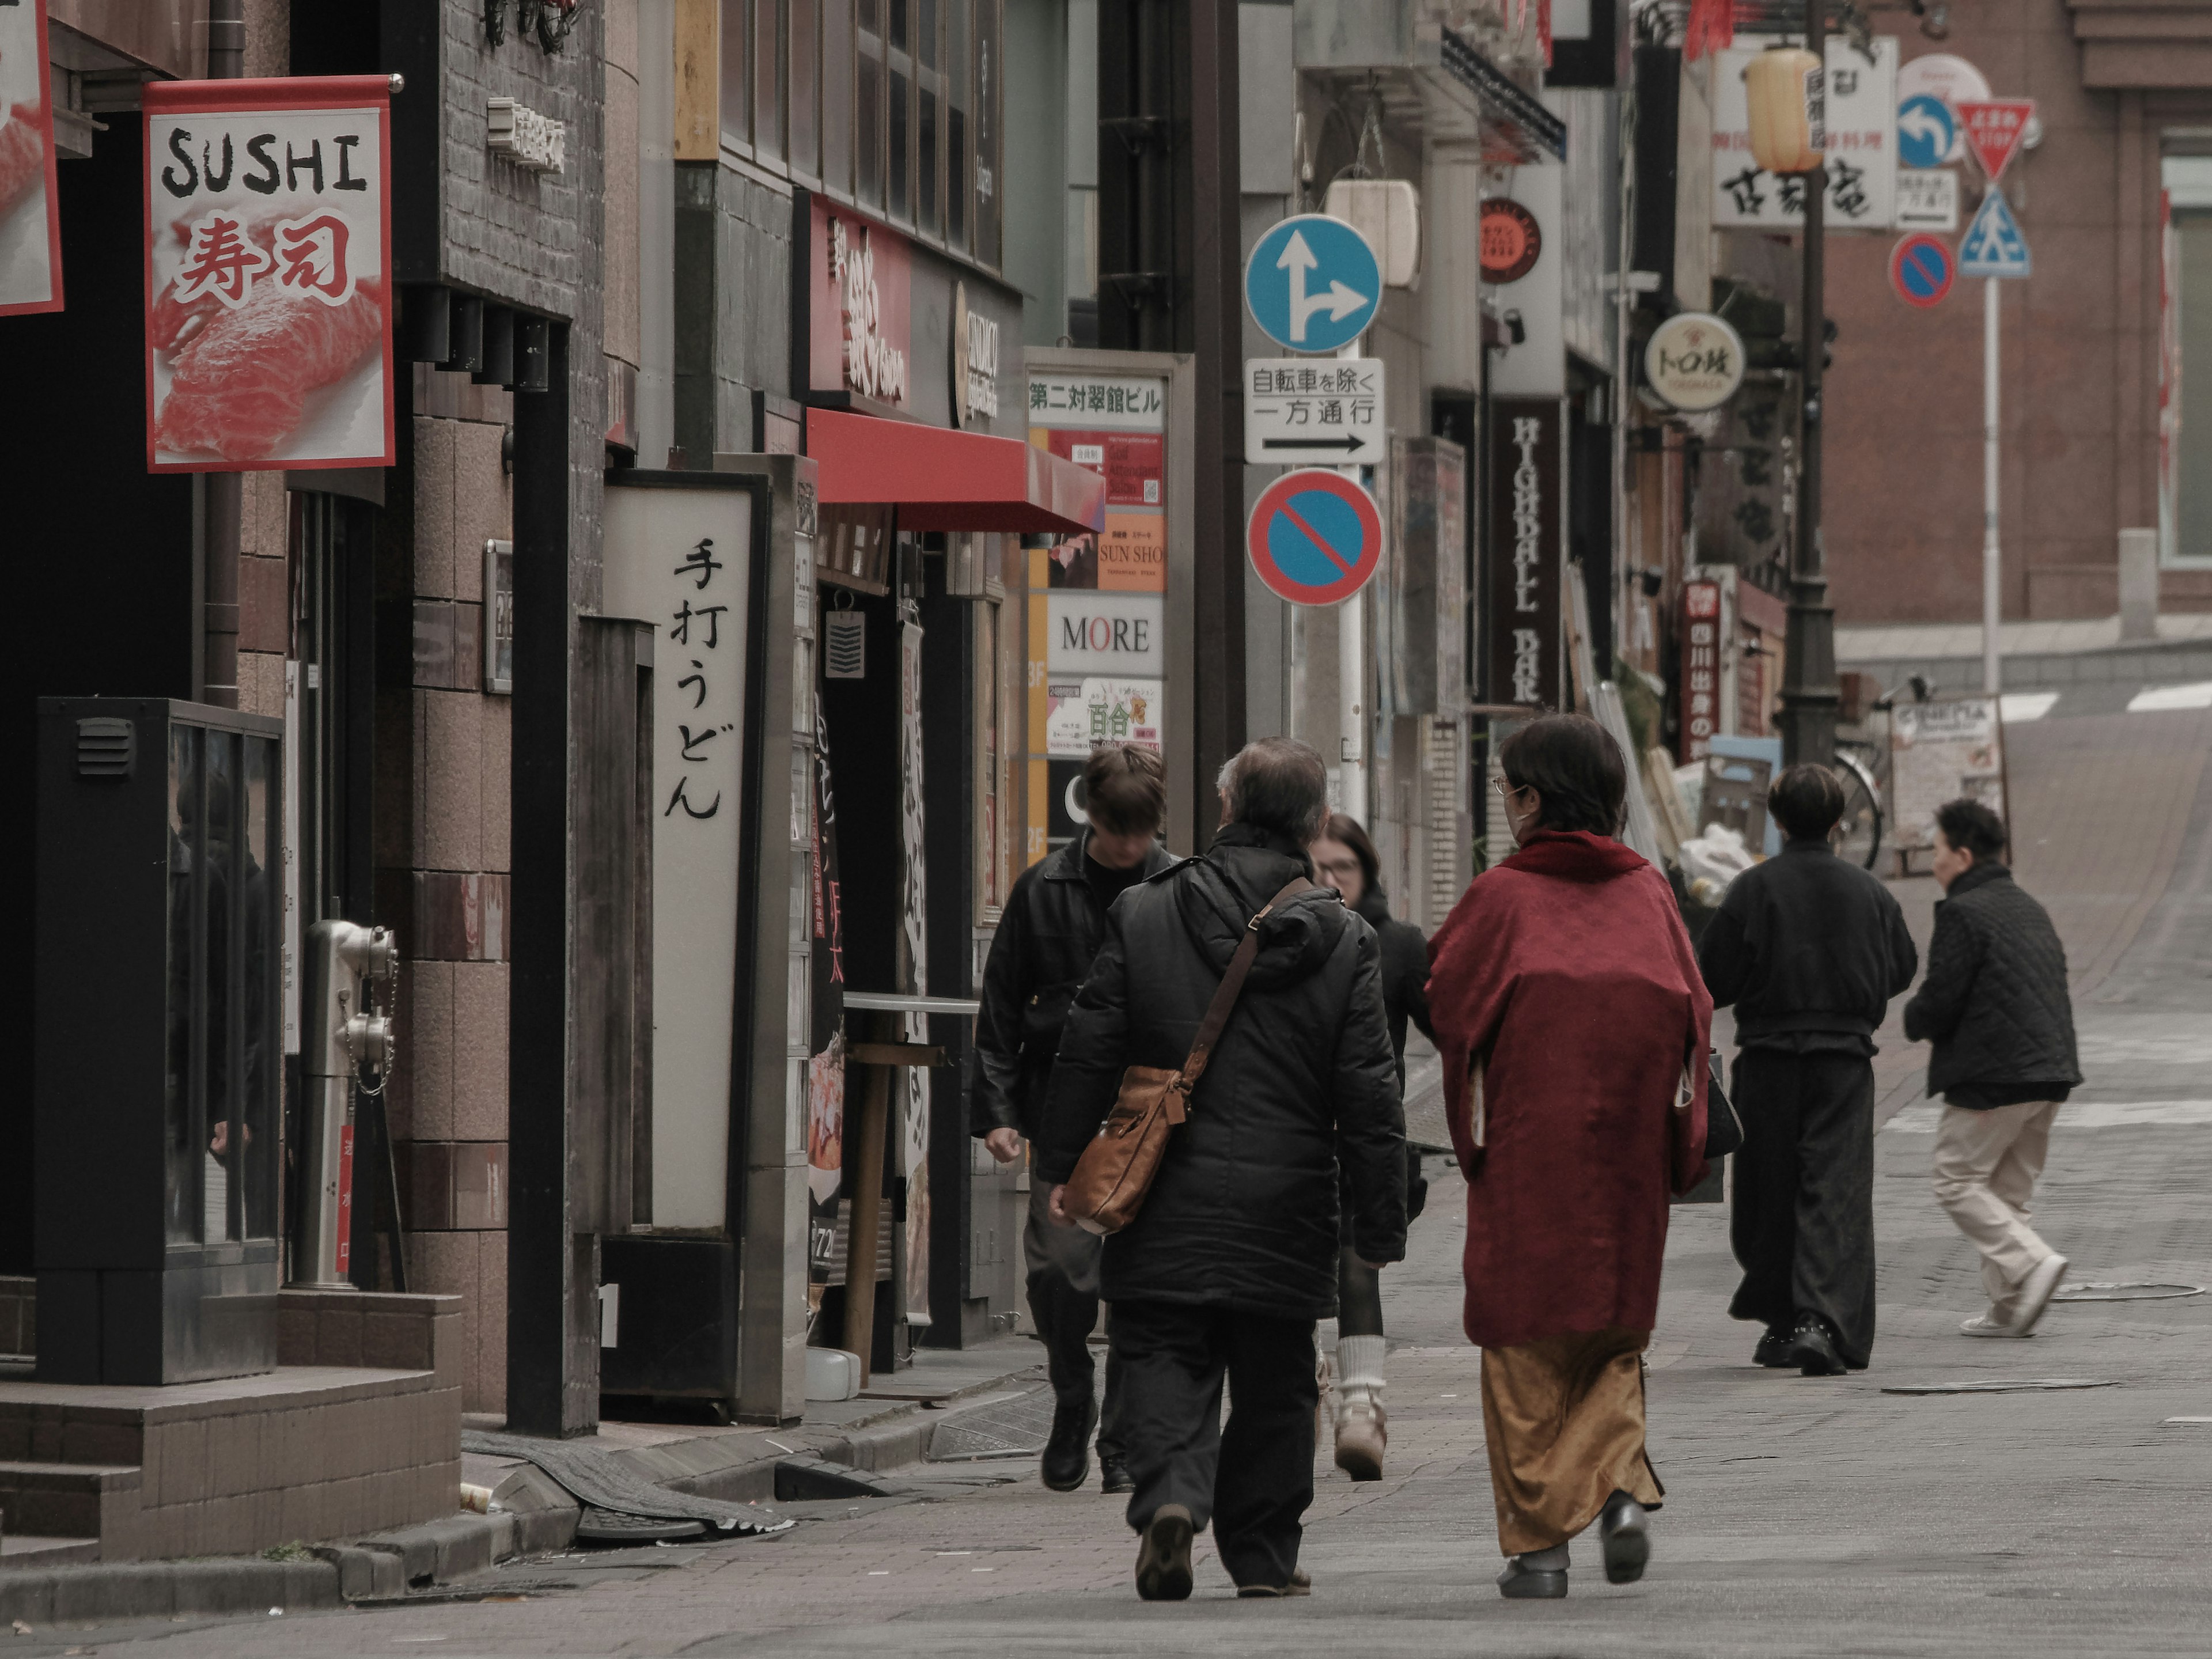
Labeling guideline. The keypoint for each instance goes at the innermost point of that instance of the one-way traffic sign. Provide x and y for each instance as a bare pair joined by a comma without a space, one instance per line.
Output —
1301,409
1993,245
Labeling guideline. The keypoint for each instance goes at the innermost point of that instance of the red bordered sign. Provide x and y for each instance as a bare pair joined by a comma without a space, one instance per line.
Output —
1922,269
1313,537
30,207
269,292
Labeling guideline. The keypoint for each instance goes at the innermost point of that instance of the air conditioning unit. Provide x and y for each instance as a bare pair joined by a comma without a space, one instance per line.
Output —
1387,213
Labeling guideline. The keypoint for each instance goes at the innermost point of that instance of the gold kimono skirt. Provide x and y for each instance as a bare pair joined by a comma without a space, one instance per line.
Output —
1563,1419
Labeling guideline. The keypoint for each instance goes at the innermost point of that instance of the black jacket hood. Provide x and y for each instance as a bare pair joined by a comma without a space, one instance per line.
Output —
1218,895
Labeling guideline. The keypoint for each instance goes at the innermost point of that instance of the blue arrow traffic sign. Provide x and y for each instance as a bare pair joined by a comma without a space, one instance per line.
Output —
1993,245
1926,129
1313,537
1313,284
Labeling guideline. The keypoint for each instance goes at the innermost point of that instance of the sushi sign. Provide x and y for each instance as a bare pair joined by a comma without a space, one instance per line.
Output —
268,274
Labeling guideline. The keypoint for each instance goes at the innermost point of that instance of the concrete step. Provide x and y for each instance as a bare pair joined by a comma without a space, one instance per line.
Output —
67,1500
33,1550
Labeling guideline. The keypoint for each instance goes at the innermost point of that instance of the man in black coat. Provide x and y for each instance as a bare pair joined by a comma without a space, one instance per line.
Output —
1994,1004
1232,1258
1810,949
1054,922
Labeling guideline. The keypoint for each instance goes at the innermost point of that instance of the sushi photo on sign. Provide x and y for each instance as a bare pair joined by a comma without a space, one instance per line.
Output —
268,293
30,213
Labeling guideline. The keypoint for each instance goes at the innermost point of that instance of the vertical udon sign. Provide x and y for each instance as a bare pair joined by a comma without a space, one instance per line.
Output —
30,210
268,274
681,559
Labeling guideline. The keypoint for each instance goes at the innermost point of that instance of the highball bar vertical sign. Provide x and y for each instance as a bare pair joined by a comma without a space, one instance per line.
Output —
1527,553
268,274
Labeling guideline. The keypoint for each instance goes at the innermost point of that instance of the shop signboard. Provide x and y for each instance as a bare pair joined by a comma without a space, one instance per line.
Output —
1701,668
1861,152
268,274
30,207
1940,750
860,305
1528,556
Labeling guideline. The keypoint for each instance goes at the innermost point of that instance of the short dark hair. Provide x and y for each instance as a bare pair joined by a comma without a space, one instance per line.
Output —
1806,801
1279,784
1125,789
1347,830
1573,763
1971,827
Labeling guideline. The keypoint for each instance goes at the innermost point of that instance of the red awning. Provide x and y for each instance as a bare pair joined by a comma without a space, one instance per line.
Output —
941,480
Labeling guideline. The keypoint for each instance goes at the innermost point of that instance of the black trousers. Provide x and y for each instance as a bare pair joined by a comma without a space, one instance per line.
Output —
1253,1479
1063,1287
1803,1226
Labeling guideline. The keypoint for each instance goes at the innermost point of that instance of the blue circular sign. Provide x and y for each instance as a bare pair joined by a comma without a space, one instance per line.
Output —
1920,269
1313,537
1313,284
1926,129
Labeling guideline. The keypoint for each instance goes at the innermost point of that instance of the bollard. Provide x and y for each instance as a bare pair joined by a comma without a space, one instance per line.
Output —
2138,586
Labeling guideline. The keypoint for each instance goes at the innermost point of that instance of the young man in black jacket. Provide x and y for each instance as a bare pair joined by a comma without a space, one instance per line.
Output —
1233,1256
1054,922
1996,1006
1810,949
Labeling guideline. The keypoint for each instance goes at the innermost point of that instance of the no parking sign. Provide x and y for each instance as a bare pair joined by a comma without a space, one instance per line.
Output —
1313,537
1920,269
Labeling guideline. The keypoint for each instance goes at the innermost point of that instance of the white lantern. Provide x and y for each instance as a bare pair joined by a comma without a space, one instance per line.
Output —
1783,88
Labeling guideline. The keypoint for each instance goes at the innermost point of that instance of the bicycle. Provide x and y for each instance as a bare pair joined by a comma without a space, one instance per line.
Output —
1862,765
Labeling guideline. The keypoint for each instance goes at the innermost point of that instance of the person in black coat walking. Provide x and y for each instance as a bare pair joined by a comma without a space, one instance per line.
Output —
1996,1006
1344,859
1048,934
1810,949
1232,1258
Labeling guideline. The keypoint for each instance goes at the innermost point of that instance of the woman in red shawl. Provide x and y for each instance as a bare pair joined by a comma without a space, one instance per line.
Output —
1568,1007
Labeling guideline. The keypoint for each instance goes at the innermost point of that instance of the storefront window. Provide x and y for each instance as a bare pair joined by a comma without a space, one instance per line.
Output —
737,81
868,94
180,1111
771,52
837,95
806,135
899,62
956,47
929,89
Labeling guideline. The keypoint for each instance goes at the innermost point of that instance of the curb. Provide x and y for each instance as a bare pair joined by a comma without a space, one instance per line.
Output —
536,1516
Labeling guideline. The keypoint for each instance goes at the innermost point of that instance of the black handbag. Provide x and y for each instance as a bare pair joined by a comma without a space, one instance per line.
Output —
1724,1128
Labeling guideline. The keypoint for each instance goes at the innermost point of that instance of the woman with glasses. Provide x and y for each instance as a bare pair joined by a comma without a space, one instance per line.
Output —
1572,1021
1344,859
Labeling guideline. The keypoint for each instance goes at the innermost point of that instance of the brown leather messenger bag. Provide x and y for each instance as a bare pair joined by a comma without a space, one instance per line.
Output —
1117,1169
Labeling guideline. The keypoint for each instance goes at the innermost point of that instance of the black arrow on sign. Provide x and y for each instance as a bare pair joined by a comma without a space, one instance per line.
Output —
1349,444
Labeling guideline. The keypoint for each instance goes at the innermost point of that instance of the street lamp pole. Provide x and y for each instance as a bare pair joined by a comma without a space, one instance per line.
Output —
1809,693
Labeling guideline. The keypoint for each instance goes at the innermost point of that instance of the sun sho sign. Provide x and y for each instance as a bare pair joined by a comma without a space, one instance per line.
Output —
1524,654
1694,361
874,367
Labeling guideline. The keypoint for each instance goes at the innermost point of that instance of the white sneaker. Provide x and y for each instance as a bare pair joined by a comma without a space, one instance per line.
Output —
2036,1291
1988,1325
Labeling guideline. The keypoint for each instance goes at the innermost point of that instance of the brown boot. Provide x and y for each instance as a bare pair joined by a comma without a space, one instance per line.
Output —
1163,1555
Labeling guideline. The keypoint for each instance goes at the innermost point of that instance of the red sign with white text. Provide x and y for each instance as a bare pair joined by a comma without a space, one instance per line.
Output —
268,274
859,303
1995,130
1701,667
30,209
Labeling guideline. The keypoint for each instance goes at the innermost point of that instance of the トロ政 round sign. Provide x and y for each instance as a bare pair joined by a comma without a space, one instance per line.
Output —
1313,537
1694,361
1510,242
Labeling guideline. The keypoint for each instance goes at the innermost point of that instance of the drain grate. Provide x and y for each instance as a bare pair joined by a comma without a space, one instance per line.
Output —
2129,1292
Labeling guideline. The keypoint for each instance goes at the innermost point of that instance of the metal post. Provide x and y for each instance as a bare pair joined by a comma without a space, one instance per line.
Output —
1809,693
222,494
1353,677
1992,553
864,1200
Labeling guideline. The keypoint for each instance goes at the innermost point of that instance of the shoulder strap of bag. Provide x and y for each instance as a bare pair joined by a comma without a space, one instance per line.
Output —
1232,983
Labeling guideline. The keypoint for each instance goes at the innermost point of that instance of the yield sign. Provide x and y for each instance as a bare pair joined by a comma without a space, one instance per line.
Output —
1995,129
1993,245
1313,537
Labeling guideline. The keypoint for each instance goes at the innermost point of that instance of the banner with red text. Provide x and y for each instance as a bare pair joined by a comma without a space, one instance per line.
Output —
268,274
30,210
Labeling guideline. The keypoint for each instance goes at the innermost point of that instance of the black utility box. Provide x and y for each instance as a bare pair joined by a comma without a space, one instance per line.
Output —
159,1061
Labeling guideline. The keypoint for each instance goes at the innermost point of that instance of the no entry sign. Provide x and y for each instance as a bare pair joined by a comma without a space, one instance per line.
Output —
1313,537
1920,269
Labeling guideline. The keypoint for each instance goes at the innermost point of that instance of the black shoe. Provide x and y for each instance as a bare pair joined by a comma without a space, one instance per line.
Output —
1773,1349
1297,1584
1114,1475
1521,1582
1813,1349
1066,1460
1163,1555
1625,1527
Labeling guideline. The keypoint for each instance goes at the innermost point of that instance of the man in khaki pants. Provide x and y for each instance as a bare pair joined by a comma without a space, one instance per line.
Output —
1994,1004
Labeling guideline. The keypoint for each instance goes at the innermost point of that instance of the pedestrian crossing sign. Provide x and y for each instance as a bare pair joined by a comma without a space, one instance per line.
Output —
1993,246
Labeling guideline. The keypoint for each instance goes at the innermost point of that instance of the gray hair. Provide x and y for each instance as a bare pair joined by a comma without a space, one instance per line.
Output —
1279,784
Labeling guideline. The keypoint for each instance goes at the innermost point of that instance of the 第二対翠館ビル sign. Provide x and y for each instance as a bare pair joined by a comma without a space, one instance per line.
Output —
1312,284
1315,537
